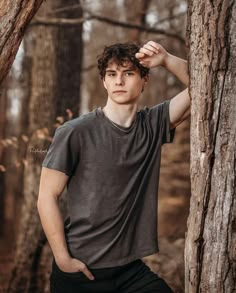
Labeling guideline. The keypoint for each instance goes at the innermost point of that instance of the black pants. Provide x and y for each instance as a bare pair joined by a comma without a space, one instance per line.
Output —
135,277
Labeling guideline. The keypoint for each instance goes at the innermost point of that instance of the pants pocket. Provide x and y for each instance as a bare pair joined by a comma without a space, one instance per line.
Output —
57,270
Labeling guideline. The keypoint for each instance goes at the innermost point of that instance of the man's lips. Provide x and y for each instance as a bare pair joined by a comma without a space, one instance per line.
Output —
119,91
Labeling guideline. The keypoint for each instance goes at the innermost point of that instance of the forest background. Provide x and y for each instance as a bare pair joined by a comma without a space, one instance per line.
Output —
54,78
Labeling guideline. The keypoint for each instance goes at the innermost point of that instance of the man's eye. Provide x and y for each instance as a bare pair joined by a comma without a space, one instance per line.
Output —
129,73
111,74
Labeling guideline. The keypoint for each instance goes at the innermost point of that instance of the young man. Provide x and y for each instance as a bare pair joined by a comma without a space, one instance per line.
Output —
109,160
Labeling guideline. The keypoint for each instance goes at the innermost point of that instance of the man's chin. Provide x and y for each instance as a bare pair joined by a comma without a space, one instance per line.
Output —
125,101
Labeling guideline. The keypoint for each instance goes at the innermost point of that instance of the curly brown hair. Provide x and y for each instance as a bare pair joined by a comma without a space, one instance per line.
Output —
120,53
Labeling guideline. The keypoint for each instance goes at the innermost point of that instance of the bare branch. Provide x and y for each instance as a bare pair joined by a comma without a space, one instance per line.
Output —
138,27
78,6
126,25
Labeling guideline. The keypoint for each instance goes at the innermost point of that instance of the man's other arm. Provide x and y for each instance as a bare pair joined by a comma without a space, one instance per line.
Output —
152,55
52,184
180,104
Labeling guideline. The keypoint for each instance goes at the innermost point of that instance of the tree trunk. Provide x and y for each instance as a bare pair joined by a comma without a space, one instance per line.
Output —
54,88
15,17
3,101
211,239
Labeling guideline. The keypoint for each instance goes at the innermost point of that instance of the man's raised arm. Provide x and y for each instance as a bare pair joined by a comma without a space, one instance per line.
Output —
152,55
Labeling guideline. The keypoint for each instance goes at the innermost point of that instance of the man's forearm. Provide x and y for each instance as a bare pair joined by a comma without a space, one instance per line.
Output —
52,223
178,67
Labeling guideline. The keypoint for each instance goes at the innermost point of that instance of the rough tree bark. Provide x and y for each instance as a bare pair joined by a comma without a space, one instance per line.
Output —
15,17
55,86
211,239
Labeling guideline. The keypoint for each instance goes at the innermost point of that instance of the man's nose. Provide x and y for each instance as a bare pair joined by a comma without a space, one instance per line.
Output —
119,79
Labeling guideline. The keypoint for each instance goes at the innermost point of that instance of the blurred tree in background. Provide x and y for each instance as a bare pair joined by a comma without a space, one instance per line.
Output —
54,77
55,57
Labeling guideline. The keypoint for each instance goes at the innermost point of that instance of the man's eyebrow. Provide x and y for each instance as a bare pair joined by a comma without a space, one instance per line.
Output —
128,69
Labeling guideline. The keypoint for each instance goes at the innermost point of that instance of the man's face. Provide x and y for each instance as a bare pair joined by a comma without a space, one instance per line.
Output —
123,83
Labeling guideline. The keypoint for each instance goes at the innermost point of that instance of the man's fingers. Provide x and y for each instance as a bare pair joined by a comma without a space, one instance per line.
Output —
139,55
87,273
146,51
153,46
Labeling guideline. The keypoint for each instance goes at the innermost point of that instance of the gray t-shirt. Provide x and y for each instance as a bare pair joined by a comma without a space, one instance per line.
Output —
112,189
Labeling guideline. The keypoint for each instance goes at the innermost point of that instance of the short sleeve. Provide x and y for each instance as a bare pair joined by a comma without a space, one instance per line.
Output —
63,153
161,119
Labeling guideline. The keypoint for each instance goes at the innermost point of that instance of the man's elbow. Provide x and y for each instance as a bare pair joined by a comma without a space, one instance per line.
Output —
185,116
45,199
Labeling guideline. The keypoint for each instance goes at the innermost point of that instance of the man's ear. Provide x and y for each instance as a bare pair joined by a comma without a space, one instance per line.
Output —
146,79
104,83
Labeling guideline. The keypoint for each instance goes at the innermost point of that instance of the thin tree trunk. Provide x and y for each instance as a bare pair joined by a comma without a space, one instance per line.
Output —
211,239
15,17
136,14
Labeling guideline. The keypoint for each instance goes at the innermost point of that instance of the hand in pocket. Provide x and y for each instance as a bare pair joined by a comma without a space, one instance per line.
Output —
73,265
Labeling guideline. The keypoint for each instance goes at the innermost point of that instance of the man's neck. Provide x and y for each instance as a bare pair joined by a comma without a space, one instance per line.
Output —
121,114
